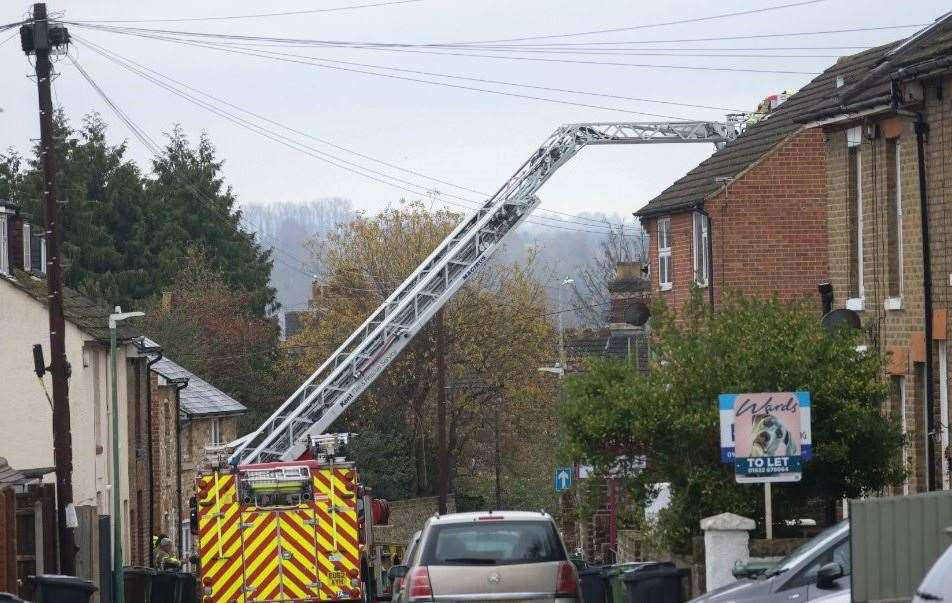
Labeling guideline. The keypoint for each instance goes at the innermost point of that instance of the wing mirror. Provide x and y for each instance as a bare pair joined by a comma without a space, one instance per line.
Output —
397,571
828,574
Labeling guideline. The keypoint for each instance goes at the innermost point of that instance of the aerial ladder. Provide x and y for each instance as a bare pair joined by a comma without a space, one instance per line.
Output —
285,477
333,387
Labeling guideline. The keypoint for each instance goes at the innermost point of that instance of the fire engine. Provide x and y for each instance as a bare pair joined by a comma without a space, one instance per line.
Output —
279,516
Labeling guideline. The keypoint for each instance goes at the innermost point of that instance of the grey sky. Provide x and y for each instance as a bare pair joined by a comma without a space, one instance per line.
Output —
465,137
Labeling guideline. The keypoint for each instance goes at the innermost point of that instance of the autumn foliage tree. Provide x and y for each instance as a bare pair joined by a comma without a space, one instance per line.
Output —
497,336
207,326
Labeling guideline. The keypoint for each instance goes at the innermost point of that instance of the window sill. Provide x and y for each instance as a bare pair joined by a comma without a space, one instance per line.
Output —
893,303
855,304
666,287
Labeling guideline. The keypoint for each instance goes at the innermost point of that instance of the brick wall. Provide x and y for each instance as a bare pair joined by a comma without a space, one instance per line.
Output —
408,516
164,454
898,332
768,229
137,418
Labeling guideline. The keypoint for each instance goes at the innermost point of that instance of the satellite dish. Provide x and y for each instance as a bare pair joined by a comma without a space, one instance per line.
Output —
841,319
637,313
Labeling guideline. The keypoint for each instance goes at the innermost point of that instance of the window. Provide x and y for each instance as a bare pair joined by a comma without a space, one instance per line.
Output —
840,553
4,258
216,431
702,258
894,221
664,253
27,246
496,542
38,253
897,398
855,212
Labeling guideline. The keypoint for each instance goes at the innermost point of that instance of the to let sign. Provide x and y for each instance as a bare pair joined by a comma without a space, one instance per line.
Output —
766,436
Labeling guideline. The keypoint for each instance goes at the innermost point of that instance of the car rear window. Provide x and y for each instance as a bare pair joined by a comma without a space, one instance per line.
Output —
493,543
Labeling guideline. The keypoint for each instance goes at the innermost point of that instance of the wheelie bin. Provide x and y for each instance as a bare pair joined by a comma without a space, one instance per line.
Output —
659,583
594,585
137,584
615,579
188,587
52,588
166,588
10,598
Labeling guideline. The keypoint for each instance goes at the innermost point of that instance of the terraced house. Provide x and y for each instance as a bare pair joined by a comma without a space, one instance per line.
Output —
886,122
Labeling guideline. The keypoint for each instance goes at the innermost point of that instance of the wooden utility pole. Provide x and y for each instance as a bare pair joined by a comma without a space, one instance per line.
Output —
442,462
44,39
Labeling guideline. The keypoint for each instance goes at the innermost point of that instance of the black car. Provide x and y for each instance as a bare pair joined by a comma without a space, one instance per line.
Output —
818,568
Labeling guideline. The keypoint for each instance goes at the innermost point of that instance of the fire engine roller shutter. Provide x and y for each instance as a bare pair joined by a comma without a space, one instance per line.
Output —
338,542
259,536
219,537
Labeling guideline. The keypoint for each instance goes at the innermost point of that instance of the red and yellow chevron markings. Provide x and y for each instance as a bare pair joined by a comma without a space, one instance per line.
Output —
219,538
338,541
262,567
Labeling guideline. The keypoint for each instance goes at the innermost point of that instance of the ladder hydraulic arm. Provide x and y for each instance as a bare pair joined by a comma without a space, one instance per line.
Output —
333,387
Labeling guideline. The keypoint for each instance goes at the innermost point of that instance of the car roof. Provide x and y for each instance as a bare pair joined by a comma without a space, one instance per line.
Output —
481,515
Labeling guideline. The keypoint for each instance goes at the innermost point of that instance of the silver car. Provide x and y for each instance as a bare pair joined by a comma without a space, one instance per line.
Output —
491,556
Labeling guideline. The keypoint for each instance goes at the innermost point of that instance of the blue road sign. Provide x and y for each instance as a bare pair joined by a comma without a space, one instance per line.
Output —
563,478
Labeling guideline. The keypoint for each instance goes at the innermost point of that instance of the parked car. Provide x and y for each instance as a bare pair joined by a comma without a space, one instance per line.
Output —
937,585
396,582
819,568
491,556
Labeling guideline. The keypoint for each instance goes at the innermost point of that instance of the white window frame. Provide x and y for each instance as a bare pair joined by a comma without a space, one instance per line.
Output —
895,303
27,263
4,245
665,277
903,425
700,231
215,431
944,409
854,140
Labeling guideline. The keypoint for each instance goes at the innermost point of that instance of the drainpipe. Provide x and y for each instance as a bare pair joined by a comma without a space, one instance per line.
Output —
148,423
179,384
922,131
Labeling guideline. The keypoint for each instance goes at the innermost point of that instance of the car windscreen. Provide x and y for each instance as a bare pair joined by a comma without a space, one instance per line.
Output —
810,548
493,543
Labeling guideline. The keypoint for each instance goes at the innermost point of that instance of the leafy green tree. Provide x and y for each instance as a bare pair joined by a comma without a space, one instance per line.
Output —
671,417
125,232
189,204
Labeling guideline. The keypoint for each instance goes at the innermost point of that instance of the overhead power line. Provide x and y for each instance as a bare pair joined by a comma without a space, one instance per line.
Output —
260,15
178,36
118,58
387,179
648,25
313,62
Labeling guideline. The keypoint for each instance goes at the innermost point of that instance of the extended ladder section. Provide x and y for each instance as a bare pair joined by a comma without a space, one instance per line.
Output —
333,387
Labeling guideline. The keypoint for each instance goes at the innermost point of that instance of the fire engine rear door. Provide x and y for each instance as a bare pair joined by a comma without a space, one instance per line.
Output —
260,543
297,554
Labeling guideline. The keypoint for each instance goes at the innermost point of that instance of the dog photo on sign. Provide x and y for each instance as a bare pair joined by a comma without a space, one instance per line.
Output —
770,437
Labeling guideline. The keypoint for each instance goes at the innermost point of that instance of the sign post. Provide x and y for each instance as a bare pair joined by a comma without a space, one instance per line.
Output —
563,478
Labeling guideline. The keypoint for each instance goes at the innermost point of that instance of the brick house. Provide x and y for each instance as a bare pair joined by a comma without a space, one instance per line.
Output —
750,218
887,124
188,413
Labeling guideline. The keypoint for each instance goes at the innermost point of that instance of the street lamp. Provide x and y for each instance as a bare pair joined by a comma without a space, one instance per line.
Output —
114,318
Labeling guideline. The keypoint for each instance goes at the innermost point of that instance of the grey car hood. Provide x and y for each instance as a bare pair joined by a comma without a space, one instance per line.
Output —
742,590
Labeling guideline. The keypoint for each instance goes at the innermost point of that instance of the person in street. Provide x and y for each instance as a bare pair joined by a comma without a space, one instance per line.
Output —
163,558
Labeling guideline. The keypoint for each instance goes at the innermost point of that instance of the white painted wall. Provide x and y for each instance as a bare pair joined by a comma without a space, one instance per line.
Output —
26,437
